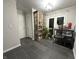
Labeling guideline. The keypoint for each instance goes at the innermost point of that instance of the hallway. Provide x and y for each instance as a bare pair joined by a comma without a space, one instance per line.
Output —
44,49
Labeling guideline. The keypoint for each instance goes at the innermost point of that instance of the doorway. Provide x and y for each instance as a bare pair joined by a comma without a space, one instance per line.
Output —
51,26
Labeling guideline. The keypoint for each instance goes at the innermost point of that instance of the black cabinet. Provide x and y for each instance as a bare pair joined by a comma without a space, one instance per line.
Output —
66,38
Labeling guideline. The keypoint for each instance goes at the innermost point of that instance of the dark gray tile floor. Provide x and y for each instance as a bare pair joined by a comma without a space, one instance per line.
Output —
44,49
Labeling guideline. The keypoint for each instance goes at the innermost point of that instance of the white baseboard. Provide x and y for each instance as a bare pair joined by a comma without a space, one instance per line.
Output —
74,52
11,48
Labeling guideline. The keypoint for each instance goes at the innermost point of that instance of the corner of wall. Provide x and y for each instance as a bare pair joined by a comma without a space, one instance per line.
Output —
11,48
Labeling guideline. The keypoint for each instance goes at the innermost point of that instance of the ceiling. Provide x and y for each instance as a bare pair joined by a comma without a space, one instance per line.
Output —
44,5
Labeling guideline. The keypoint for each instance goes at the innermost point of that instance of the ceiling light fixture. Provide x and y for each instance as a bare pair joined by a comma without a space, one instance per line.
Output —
49,4
45,2
53,2
48,7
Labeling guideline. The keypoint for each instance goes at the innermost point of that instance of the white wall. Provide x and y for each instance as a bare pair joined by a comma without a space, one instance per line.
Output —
33,23
29,30
10,25
68,13
22,26
25,24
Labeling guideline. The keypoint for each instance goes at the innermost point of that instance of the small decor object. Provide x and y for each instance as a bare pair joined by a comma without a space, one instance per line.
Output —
69,25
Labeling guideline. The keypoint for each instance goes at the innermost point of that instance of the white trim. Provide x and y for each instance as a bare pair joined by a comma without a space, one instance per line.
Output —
74,50
11,48
74,53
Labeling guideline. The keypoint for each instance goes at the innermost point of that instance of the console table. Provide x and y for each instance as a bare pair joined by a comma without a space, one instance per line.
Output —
64,37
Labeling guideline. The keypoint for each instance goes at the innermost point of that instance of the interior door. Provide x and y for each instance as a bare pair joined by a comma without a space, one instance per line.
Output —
51,26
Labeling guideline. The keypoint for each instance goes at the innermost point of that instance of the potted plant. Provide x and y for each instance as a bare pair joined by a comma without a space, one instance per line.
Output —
45,32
